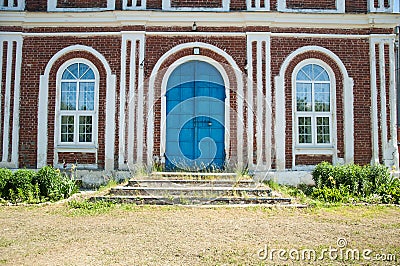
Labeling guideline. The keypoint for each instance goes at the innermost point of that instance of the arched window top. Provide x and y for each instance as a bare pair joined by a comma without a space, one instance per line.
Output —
312,72
78,71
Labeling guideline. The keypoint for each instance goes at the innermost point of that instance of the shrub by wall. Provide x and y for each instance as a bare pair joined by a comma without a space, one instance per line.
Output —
48,184
349,183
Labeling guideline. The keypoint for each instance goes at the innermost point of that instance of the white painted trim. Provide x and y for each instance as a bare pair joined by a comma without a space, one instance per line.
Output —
166,6
131,102
222,19
7,102
221,70
257,5
58,145
230,34
249,103
374,105
42,136
340,8
17,84
393,106
239,80
122,105
268,104
382,77
381,6
330,148
127,129
132,7
20,5
52,7
280,122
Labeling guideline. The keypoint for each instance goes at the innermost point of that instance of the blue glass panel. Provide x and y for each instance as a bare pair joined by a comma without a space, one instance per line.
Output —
73,69
68,96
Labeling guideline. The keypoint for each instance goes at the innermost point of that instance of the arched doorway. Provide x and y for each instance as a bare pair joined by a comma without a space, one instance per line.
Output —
195,117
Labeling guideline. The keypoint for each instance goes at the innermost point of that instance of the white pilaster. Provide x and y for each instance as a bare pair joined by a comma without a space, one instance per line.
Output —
249,105
374,105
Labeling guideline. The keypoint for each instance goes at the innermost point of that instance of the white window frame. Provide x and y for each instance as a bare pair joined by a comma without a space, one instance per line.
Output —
76,146
20,5
166,5
52,6
314,148
340,8
125,6
381,6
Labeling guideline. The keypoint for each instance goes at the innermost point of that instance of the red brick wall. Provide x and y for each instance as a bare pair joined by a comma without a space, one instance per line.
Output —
311,4
81,3
76,157
197,3
36,5
312,159
355,55
36,54
238,5
357,6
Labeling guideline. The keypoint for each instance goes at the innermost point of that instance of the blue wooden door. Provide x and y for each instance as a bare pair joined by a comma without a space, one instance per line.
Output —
195,123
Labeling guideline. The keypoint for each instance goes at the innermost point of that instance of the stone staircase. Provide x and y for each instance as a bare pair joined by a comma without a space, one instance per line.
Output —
176,188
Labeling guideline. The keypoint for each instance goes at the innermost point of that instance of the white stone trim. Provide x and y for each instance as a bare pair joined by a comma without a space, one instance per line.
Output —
42,136
127,129
52,7
326,149
263,102
381,6
164,83
257,5
249,102
389,147
166,6
5,127
133,7
20,5
223,19
240,96
280,122
17,84
7,102
340,8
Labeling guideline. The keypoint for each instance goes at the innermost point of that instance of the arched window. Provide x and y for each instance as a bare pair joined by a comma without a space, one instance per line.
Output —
77,103
313,106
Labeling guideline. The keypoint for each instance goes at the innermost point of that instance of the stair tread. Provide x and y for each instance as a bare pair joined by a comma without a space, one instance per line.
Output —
194,197
194,188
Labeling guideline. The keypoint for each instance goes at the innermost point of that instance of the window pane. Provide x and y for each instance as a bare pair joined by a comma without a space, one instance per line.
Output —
67,128
72,71
304,129
303,97
85,129
68,96
302,76
322,97
307,70
323,76
86,96
89,74
323,134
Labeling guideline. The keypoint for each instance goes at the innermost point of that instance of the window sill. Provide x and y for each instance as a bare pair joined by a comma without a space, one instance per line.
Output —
315,150
76,148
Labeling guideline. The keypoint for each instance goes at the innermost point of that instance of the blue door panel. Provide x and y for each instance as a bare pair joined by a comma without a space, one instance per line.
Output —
195,117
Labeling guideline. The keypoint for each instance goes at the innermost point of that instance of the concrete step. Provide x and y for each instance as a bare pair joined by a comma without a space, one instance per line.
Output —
206,191
193,183
193,175
192,200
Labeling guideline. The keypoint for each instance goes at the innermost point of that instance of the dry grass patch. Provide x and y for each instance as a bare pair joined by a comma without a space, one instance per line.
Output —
146,235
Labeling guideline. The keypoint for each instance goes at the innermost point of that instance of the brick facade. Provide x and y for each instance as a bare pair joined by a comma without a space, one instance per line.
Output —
263,48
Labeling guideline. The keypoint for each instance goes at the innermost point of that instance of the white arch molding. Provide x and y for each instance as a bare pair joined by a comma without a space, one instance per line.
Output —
218,66
42,136
280,121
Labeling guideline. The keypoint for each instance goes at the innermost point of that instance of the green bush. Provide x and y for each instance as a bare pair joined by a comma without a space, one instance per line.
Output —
346,183
31,187
5,176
